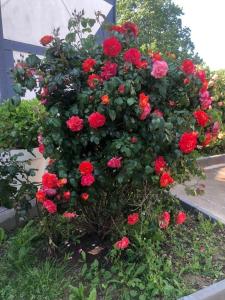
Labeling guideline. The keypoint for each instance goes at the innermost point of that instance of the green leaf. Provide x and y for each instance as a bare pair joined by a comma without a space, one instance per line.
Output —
112,114
131,101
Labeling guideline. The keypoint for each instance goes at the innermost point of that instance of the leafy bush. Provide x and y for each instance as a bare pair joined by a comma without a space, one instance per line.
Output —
19,126
16,189
118,120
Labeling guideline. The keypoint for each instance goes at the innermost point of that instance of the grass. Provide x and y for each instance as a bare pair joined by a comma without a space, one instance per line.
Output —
158,265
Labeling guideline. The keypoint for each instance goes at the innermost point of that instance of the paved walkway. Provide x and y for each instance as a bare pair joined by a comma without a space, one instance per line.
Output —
212,202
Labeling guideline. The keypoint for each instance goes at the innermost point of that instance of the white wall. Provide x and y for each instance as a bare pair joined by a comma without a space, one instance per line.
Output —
28,20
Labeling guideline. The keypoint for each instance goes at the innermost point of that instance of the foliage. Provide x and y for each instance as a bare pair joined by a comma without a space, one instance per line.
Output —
168,265
118,120
218,90
19,125
160,25
16,189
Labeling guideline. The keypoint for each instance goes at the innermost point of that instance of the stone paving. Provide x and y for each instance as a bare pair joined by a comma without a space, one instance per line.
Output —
212,202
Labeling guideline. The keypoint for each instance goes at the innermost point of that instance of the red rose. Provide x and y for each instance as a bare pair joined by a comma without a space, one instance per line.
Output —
121,89
109,70
166,180
207,140
142,64
96,120
164,220
201,75
180,218
69,215
75,123
132,56
84,196
49,181
67,195
158,113
143,100
86,168
156,56
40,196
188,142
133,219
62,182
93,80
87,180
187,81
114,163
123,243
160,164
50,206
88,64
188,67
133,139
105,99
117,28
46,39
112,47
201,117
130,27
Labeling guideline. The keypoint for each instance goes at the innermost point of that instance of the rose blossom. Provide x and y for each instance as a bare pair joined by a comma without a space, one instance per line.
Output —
133,219
159,69
145,112
86,167
40,196
96,120
180,218
109,70
87,180
188,142
188,67
201,117
50,206
123,243
158,113
69,215
112,47
84,196
75,123
164,220
94,80
67,195
207,140
50,192
166,180
114,162
88,64
121,89
131,28
132,55
46,39
49,180
160,164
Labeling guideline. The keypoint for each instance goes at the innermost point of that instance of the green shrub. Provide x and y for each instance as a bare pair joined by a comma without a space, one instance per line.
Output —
19,125
118,120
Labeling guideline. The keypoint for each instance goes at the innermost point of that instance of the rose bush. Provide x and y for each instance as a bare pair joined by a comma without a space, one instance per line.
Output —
117,119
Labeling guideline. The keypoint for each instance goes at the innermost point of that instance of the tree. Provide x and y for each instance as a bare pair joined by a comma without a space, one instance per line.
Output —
160,25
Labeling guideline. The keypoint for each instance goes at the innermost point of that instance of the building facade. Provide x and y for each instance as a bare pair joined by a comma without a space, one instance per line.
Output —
24,22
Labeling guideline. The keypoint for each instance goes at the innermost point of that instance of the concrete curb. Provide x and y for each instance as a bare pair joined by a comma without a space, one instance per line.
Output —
215,291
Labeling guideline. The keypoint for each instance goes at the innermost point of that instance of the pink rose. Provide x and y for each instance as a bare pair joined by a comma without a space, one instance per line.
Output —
159,69
87,180
145,112
50,206
114,163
